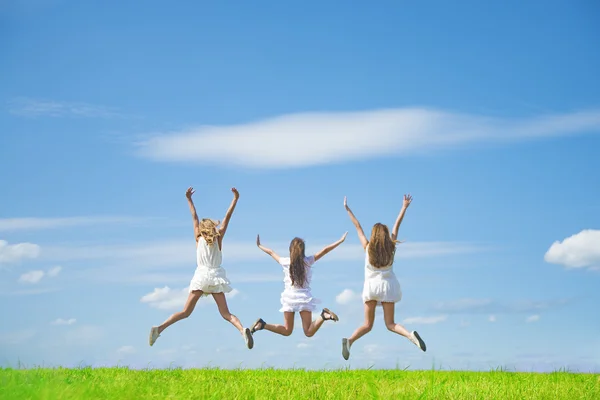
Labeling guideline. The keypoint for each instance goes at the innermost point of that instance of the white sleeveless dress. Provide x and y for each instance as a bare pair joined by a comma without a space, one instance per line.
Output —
295,299
381,284
209,277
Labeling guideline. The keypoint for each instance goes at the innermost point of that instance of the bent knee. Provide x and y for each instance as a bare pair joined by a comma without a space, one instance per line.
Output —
186,313
391,326
308,334
226,315
368,326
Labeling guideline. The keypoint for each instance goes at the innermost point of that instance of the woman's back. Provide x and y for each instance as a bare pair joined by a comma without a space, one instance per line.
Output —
208,255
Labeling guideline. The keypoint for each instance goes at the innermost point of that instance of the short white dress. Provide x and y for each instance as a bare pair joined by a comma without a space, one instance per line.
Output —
381,284
295,299
210,276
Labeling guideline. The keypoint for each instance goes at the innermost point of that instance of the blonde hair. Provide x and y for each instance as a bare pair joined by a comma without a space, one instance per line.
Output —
297,265
381,246
208,230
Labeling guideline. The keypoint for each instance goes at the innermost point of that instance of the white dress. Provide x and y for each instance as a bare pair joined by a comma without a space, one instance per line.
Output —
381,284
295,299
209,277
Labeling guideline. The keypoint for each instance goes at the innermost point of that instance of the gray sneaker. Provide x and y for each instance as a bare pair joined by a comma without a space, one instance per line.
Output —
153,335
345,349
248,338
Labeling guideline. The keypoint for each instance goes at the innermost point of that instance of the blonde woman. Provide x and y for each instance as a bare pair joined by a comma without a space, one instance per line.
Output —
381,286
210,277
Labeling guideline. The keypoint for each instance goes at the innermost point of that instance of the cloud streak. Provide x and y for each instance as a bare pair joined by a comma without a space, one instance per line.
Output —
28,107
15,253
173,299
489,306
347,136
425,320
581,250
36,224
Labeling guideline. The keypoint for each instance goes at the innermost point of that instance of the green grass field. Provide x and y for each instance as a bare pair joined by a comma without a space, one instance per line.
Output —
123,383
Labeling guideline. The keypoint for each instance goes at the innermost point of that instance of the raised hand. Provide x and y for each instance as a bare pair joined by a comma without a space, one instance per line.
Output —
236,194
345,203
258,240
344,237
189,192
407,200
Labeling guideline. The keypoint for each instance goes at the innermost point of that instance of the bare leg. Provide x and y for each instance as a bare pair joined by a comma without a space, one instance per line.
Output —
368,325
311,327
187,311
224,310
287,328
388,316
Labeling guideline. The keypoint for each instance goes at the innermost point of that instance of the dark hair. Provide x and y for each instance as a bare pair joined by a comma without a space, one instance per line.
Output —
297,264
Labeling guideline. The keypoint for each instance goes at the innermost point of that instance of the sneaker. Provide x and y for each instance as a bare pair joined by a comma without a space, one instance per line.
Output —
153,335
248,338
416,339
345,349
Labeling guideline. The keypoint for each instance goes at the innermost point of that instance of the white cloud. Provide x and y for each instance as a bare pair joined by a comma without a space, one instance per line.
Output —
533,318
34,224
53,272
126,350
303,345
577,251
425,320
27,107
492,318
14,253
344,136
17,337
61,321
347,296
489,306
174,299
31,277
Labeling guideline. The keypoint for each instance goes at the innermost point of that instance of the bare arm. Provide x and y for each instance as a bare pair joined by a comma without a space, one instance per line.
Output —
266,249
229,213
359,230
332,246
188,194
406,203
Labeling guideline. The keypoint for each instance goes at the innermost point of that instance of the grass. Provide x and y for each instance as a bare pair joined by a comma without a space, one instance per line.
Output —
124,383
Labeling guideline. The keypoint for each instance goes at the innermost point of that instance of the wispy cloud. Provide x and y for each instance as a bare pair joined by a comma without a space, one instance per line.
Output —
172,299
345,136
492,318
17,337
28,292
14,253
347,296
34,224
31,276
581,250
37,275
61,321
425,320
533,318
489,306
123,350
29,107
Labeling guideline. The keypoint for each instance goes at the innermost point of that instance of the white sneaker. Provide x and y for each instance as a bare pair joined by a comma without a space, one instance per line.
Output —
248,338
416,339
345,349
153,335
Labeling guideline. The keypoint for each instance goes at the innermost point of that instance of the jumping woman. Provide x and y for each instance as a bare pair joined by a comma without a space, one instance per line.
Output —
297,296
210,277
381,286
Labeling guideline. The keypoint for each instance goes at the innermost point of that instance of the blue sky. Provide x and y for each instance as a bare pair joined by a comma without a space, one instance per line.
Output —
489,114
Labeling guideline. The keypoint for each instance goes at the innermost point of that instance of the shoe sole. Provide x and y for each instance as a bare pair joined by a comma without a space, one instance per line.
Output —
422,345
334,316
249,338
345,347
150,342
254,324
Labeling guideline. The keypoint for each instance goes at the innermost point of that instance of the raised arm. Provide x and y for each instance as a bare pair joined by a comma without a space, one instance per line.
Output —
188,194
359,230
332,246
405,204
266,250
229,213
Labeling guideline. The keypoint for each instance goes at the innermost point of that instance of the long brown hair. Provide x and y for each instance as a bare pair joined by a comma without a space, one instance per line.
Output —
208,230
381,246
297,265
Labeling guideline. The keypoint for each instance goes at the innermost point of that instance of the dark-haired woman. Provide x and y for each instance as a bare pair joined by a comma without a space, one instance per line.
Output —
297,296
